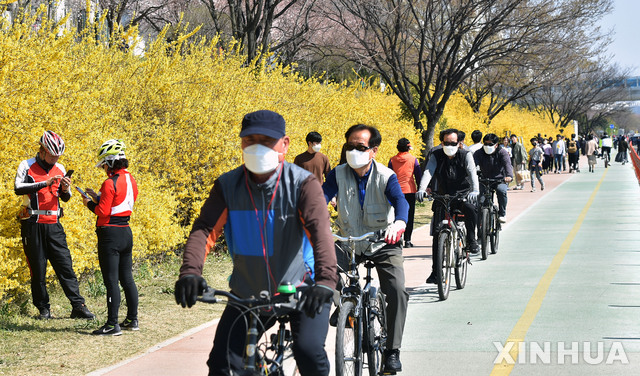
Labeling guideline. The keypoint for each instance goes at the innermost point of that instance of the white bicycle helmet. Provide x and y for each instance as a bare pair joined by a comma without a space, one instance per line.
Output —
110,151
52,143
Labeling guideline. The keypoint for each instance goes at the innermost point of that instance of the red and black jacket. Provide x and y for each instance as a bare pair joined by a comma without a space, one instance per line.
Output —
31,181
117,196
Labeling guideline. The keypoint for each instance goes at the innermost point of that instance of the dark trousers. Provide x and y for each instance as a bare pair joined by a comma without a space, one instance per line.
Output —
470,222
42,242
309,335
114,254
411,199
501,197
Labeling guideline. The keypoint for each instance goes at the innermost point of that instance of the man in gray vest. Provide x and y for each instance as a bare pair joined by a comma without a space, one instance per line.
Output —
380,205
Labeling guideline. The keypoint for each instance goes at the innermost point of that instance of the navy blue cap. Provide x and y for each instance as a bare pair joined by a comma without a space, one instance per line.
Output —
264,122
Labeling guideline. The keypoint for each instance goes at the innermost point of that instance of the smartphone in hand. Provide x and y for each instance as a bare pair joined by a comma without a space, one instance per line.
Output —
83,193
68,174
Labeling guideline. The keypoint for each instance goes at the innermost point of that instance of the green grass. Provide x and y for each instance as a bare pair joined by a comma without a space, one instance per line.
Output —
64,346
423,214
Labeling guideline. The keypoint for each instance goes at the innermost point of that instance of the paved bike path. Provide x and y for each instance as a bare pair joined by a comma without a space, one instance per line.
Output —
567,270
594,295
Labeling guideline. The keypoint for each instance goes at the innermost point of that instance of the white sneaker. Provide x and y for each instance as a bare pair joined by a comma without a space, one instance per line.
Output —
502,219
533,189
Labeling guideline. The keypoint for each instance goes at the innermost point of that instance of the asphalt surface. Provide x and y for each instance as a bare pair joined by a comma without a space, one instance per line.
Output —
561,296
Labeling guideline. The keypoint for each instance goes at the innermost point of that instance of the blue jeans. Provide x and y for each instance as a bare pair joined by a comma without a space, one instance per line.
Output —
501,197
558,162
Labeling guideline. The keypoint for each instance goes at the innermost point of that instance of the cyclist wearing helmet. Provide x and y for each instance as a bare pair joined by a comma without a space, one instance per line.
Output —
42,183
113,206
277,229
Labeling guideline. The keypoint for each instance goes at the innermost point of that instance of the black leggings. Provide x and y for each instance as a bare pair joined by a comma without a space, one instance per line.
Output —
114,253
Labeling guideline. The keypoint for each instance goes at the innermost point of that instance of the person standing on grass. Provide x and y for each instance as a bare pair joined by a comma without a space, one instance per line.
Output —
312,160
42,182
408,171
113,206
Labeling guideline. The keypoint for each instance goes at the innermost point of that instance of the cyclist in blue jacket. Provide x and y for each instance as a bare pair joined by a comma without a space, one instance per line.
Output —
277,229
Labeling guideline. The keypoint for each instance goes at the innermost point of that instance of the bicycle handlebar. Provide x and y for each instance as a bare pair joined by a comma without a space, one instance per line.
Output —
281,301
372,237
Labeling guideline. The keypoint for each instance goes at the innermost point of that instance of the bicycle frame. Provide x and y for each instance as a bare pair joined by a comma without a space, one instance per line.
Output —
255,358
360,296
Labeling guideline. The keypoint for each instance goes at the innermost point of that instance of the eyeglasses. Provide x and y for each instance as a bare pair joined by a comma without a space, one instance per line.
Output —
446,143
358,147
489,144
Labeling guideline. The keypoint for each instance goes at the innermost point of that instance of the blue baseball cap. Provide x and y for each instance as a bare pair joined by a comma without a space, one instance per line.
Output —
264,122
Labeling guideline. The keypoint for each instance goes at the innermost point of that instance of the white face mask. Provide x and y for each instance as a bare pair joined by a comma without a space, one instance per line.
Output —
489,149
357,159
450,151
316,147
260,159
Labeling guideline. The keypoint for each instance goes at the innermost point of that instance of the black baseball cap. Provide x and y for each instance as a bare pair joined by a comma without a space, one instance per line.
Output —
264,122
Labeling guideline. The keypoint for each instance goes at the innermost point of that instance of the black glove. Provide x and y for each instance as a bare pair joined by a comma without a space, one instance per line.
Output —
314,298
188,288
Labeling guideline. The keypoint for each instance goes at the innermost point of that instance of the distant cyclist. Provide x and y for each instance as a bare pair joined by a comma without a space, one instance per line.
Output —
607,143
494,163
451,170
277,228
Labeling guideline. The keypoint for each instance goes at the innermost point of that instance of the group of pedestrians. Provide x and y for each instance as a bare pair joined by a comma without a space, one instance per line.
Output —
43,182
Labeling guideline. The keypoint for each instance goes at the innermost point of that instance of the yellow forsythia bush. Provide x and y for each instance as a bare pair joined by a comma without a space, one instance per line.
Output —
178,109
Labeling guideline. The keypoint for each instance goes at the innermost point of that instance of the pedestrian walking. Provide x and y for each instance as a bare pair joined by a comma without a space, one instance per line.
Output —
409,174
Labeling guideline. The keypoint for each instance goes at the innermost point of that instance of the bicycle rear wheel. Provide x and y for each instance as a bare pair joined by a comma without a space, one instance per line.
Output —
377,333
484,232
495,232
442,262
348,341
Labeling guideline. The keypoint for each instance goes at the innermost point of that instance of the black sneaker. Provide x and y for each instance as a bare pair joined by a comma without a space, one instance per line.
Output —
432,278
474,248
108,330
408,244
392,363
129,324
82,312
45,314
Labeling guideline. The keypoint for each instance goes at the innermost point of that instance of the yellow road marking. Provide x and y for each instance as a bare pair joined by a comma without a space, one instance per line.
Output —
533,306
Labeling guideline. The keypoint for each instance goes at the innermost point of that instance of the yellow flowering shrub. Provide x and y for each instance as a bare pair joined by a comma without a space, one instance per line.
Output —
178,109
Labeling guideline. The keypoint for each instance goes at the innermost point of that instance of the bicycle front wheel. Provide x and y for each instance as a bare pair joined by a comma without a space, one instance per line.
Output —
442,262
377,333
495,232
461,267
484,232
348,341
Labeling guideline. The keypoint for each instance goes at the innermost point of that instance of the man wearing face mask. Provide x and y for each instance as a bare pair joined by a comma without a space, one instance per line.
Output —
312,160
453,171
369,198
277,229
495,163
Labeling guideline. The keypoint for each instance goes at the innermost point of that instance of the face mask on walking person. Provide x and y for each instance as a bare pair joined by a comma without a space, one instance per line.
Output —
316,147
357,159
260,159
489,149
450,151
